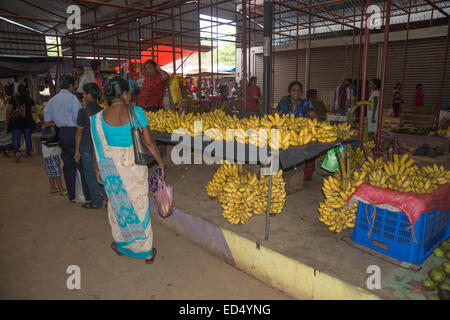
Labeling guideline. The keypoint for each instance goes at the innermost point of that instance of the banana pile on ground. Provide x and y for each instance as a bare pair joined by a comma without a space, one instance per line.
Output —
241,195
293,131
399,174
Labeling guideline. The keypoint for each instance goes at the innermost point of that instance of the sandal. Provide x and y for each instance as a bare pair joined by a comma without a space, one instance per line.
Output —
87,205
152,258
73,201
114,247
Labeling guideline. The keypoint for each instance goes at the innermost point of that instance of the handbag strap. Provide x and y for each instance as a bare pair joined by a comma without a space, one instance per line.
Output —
132,115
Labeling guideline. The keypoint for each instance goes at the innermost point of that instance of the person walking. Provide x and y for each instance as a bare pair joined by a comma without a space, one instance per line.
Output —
20,120
341,97
62,111
125,182
372,111
5,136
84,147
153,88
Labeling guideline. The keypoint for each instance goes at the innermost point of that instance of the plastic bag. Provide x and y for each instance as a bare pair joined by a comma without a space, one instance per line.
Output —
79,194
164,199
331,162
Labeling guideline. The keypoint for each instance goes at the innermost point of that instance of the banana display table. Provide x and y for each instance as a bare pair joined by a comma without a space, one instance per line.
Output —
287,158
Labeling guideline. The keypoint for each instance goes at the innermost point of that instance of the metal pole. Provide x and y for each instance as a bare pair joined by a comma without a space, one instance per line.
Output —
308,61
296,43
266,91
181,45
406,47
199,57
174,60
213,87
244,52
153,33
441,91
267,54
128,38
364,80
383,74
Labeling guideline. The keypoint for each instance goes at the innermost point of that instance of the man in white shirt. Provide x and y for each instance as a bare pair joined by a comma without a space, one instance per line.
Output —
83,78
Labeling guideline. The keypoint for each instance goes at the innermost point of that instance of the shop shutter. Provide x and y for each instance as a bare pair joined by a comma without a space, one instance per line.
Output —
424,64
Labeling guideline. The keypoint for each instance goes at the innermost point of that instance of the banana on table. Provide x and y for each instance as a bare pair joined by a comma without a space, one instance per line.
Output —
292,131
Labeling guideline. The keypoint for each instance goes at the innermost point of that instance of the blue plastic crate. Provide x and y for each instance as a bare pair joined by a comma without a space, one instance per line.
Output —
391,236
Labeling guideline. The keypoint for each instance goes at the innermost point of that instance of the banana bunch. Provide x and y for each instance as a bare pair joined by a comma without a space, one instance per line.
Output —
402,175
344,131
278,194
216,185
292,131
241,196
334,211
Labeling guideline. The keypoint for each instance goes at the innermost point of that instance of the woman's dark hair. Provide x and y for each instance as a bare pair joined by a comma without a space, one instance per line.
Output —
377,82
65,81
115,87
22,89
397,84
152,62
92,88
418,85
293,84
311,93
251,80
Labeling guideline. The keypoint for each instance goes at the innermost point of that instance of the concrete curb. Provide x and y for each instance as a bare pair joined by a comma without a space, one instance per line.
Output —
281,272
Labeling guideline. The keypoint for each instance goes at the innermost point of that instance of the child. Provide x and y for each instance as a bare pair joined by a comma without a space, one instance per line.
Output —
53,168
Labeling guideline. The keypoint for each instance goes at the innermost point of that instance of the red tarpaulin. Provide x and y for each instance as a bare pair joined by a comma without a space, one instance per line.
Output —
411,204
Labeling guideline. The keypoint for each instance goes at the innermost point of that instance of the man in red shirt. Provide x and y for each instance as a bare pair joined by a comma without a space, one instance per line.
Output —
153,88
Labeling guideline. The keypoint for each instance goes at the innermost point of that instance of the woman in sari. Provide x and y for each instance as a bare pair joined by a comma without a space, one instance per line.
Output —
126,183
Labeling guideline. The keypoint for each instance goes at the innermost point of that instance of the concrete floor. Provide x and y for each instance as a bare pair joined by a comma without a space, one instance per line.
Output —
296,232
41,234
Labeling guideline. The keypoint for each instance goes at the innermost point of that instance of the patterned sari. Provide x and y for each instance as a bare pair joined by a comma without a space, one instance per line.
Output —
126,185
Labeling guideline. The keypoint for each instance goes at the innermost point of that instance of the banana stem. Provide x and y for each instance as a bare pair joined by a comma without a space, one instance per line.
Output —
341,164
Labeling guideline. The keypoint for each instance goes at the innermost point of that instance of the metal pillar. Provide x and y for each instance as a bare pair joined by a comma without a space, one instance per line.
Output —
441,91
266,91
383,74
181,45
199,56
364,78
406,47
174,60
296,42
244,52
267,54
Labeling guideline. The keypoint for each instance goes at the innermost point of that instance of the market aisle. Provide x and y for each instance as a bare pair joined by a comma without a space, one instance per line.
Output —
41,235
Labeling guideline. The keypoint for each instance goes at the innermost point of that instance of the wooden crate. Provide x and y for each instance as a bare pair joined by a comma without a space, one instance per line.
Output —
294,178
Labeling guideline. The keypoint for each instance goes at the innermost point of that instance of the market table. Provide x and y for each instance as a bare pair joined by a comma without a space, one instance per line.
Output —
287,158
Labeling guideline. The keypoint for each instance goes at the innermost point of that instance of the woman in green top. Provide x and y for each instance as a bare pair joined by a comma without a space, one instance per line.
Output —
126,183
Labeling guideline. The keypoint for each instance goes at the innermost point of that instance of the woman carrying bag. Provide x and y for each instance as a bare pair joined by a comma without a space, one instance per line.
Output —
121,155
